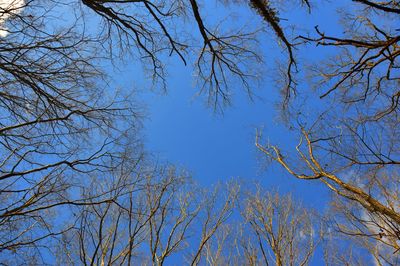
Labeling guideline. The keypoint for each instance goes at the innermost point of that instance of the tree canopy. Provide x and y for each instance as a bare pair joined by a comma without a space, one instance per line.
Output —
78,186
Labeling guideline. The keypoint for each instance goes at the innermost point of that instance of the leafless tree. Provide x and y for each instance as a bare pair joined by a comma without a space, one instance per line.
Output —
63,130
372,196
53,104
349,141
66,135
226,54
147,221
283,230
373,232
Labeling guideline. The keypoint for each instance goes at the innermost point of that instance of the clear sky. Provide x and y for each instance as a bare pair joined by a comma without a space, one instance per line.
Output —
181,129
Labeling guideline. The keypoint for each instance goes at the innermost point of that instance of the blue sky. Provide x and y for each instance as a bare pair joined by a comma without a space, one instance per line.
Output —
181,129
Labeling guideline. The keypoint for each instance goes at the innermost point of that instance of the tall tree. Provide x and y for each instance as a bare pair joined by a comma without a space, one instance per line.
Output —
66,135
58,124
352,146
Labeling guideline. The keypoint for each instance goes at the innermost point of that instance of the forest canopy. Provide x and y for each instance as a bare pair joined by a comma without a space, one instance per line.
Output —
79,186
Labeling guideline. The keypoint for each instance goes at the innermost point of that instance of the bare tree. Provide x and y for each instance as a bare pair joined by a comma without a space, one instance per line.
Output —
349,141
224,56
372,196
284,231
52,105
63,131
373,232
153,215
66,135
